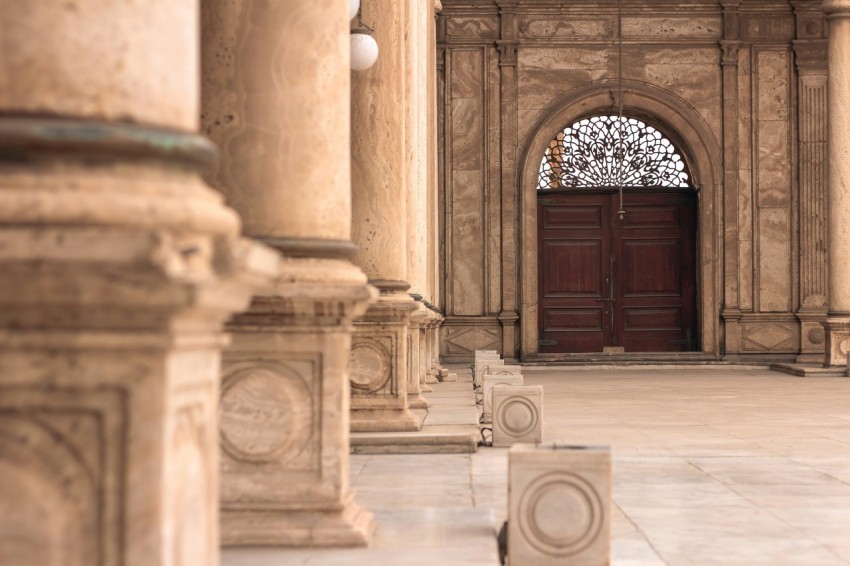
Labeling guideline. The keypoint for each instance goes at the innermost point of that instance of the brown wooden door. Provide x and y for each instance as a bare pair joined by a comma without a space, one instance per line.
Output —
611,282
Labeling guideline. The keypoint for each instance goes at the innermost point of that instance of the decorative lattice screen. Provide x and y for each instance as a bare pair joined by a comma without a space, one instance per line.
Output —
609,151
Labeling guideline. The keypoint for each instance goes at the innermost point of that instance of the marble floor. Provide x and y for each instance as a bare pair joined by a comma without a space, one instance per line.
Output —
712,466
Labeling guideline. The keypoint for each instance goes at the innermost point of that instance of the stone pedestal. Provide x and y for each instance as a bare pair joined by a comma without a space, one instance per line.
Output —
517,414
119,267
284,412
379,366
278,108
491,381
837,325
417,357
559,506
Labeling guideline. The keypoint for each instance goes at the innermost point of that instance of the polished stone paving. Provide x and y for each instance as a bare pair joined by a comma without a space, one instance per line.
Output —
714,466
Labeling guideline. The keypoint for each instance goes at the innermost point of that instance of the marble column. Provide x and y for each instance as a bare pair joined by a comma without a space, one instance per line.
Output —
811,57
380,184
276,84
838,192
416,179
119,267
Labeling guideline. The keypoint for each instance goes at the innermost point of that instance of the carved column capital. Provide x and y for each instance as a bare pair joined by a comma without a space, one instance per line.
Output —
507,52
811,55
730,52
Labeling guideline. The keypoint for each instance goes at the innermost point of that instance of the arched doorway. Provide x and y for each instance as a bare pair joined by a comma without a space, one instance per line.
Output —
616,217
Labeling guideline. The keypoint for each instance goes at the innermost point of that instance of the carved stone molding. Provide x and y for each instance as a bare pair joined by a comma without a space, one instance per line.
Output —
266,413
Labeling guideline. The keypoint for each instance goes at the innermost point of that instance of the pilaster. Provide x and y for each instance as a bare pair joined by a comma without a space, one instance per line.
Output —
730,46
508,44
810,49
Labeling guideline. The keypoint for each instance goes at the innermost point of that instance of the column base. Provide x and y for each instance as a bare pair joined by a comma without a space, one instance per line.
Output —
384,420
417,401
812,336
837,340
284,411
425,388
348,525
380,367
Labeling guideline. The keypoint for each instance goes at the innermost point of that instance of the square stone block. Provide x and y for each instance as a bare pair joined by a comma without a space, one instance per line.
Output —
491,381
517,414
506,370
559,505
482,367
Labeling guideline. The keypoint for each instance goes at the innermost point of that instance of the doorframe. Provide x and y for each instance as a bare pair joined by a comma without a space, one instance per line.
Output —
686,128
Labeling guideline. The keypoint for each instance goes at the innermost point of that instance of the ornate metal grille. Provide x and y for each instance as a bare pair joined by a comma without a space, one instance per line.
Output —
609,151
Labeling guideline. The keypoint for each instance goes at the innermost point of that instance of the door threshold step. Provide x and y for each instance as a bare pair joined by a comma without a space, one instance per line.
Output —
806,370
632,358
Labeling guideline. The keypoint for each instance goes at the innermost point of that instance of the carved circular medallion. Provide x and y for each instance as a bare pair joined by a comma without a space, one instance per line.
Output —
844,347
264,413
561,514
517,416
370,366
816,336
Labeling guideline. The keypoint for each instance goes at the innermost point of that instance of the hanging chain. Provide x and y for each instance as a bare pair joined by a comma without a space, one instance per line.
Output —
622,211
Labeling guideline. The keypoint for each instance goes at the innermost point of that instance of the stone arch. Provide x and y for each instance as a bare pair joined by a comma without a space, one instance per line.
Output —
692,136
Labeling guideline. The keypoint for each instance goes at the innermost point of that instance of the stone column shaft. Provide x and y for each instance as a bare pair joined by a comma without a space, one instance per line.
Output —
381,181
276,84
838,318
119,268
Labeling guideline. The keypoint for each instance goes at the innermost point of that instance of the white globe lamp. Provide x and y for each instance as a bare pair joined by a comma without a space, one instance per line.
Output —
364,49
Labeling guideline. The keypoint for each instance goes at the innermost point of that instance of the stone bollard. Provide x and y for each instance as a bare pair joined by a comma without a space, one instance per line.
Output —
517,414
491,381
559,506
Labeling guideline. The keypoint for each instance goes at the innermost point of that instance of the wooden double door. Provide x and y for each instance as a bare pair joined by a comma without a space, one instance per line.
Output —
606,281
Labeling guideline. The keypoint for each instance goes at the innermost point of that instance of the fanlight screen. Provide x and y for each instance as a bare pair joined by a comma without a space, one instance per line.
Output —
609,151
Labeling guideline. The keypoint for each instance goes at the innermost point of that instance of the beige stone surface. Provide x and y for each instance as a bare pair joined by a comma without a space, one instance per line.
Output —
754,458
380,181
65,76
276,79
379,367
517,414
560,505
488,382
417,14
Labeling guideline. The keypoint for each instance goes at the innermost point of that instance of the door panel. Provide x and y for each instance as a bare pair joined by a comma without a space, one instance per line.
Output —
611,282
574,255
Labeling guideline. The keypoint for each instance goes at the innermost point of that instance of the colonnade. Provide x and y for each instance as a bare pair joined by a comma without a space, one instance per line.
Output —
160,361
393,349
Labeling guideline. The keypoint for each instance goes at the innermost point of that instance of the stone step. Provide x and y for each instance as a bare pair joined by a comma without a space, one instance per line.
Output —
415,443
